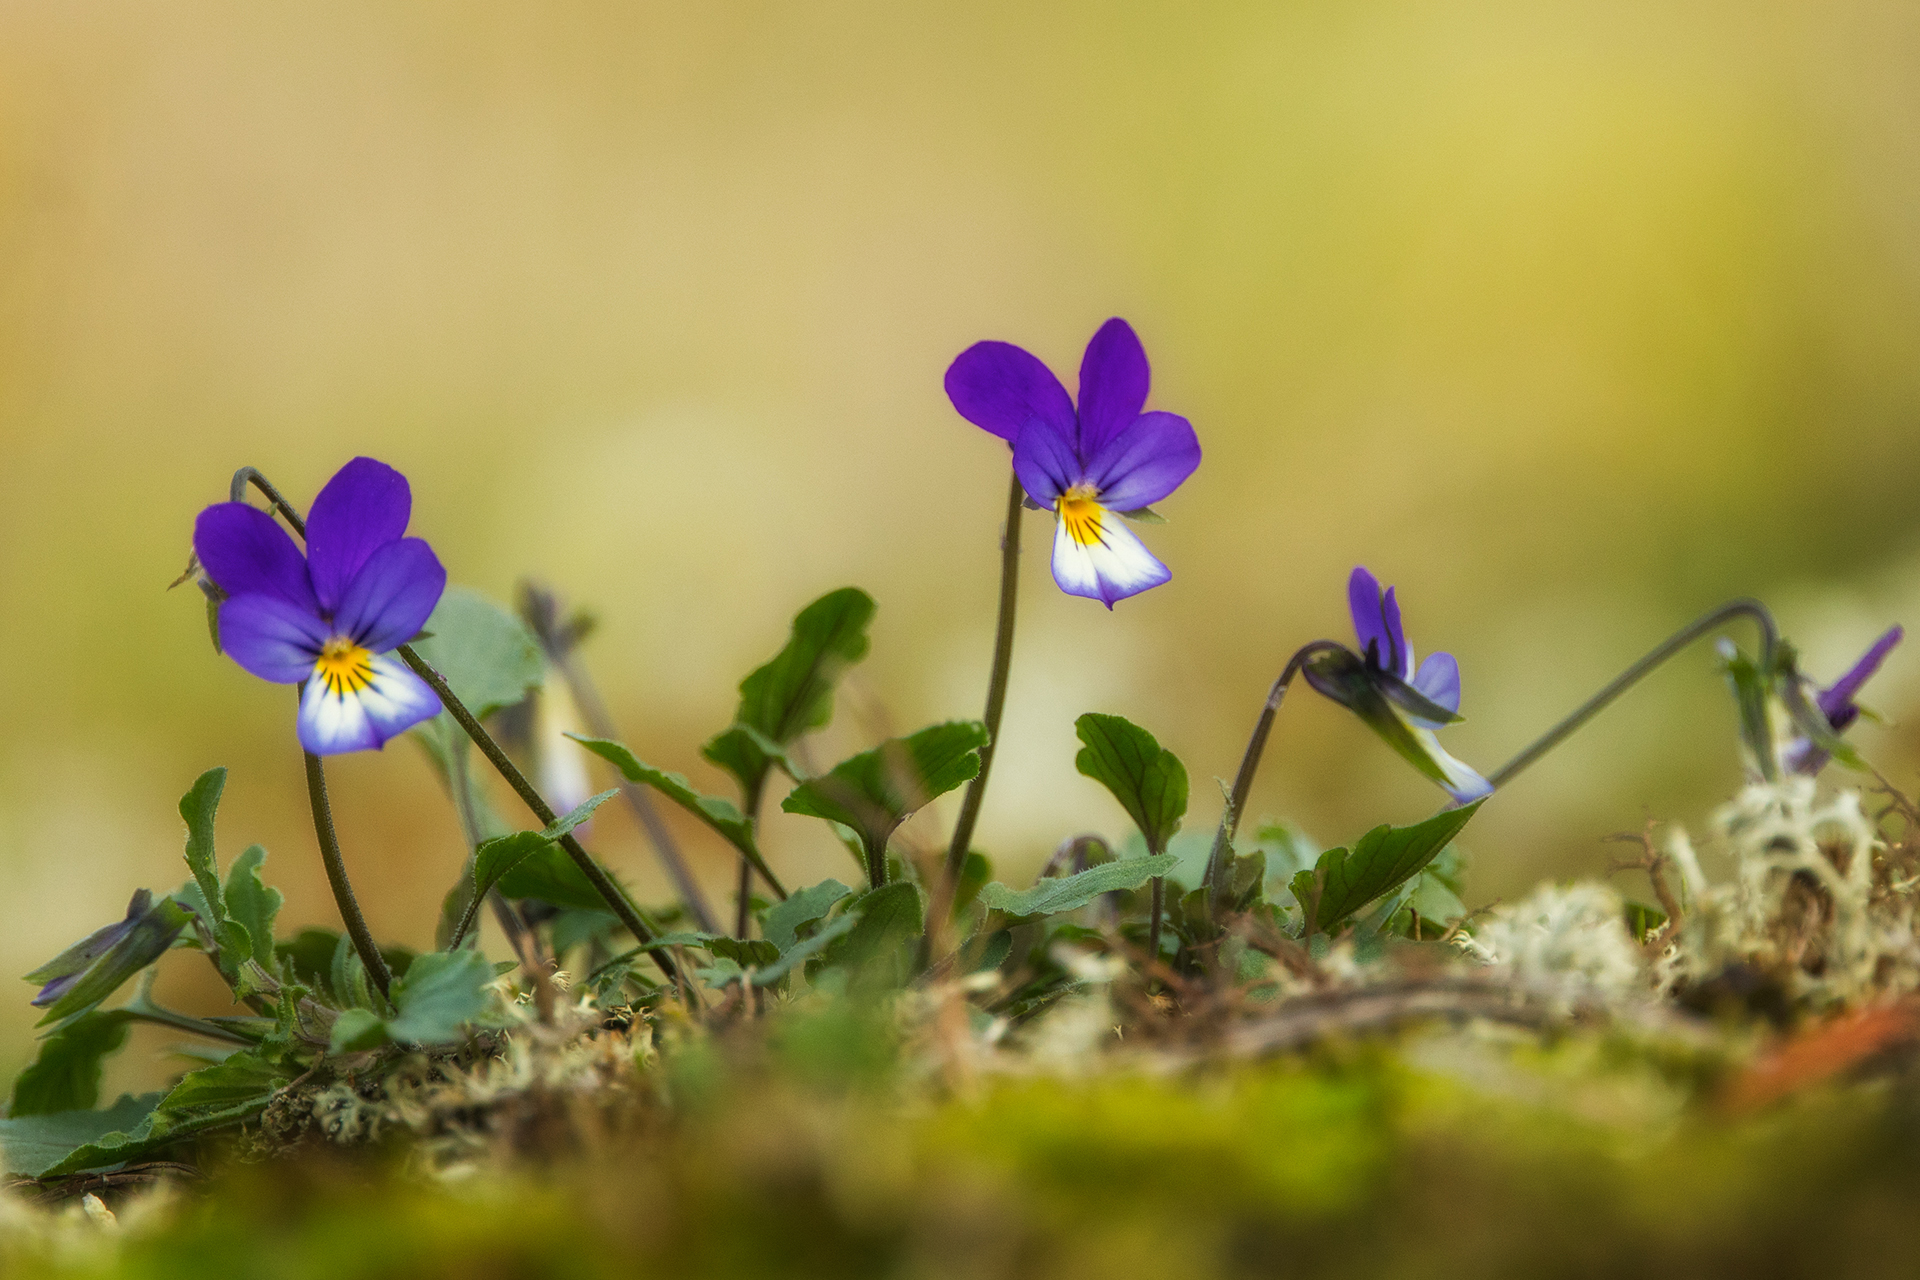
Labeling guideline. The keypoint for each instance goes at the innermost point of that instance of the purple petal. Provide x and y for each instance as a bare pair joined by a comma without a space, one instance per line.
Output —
388,601
246,553
1150,458
272,639
1369,619
1401,660
999,386
396,700
1044,459
1439,680
365,506
1113,385
1838,701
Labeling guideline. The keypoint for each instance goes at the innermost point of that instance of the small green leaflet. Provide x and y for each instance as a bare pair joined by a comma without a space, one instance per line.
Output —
551,876
721,815
442,993
1380,862
1643,920
198,807
65,1076
807,948
1148,780
784,919
1068,893
793,693
890,917
252,904
495,858
875,791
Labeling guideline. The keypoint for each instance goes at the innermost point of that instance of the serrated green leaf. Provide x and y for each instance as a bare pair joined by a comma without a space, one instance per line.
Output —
805,949
1148,780
230,1093
875,951
783,920
722,815
1380,861
253,904
495,858
875,791
793,693
358,1030
65,1075
34,1144
1069,893
442,992
198,807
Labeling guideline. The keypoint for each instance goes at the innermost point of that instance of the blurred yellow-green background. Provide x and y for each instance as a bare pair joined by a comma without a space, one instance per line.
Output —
1571,320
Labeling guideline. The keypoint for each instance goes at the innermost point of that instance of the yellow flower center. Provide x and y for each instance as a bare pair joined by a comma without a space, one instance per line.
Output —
344,667
1081,514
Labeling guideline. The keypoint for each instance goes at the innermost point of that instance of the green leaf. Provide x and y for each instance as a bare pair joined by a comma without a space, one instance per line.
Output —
488,658
65,1076
1643,921
36,1143
1068,893
442,992
732,825
975,871
875,791
1381,861
234,1091
876,949
357,1030
253,904
147,940
495,858
754,953
1148,780
551,876
805,949
794,692
784,919
198,807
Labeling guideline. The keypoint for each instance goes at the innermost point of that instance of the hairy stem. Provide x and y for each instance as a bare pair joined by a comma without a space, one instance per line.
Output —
996,703
616,900
1747,608
337,877
1216,878
541,612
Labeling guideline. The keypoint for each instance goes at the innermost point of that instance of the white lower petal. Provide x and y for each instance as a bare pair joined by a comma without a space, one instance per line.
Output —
1112,567
393,702
1462,782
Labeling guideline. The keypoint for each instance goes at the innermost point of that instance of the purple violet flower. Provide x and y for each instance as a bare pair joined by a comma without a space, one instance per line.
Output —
330,618
1837,705
1400,701
1106,459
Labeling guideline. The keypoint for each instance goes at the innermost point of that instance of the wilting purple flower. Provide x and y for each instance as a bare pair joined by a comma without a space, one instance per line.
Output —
1106,459
1837,705
330,618
1400,701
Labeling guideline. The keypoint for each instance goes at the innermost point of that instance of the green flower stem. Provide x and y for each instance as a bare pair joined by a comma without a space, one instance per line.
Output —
628,914
1216,878
525,944
996,703
337,877
1154,920
539,611
1744,607
743,912
616,900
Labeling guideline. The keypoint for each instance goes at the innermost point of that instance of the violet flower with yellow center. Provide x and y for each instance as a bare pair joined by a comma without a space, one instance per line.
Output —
330,619
1089,465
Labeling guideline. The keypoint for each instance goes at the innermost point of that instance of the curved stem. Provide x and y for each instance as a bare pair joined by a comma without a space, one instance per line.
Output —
337,878
1744,607
616,900
1216,878
996,685
247,475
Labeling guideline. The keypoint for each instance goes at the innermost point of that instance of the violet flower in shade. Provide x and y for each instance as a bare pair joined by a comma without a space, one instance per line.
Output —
1400,701
1088,466
330,618
1837,705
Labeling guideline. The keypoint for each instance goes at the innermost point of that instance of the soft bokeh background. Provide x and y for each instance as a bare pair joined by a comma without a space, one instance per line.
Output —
1571,320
